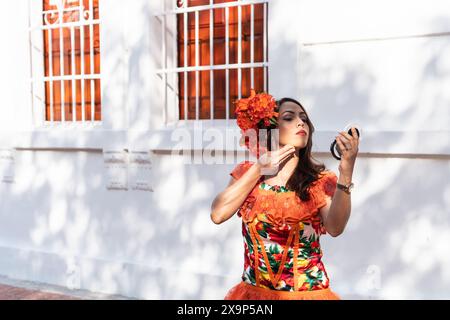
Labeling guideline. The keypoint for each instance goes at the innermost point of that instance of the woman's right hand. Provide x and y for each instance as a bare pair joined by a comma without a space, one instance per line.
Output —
269,161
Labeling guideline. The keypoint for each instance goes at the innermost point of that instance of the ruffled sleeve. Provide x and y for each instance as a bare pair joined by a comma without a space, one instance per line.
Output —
241,168
326,187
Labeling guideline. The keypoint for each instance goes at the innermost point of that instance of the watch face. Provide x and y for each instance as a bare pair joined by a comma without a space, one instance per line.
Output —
350,187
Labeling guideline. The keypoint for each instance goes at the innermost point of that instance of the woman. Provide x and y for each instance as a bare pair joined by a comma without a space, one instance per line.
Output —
284,214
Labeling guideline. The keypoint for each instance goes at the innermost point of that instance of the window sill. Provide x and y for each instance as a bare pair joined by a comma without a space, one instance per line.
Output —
180,137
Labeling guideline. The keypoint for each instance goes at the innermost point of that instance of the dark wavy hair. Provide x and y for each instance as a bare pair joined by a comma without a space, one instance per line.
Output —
307,171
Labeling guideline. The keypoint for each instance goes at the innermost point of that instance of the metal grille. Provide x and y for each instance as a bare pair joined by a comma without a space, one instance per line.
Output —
70,35
208,75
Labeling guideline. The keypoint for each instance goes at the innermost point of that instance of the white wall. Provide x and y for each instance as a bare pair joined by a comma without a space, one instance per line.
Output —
383,65
15,68
345,62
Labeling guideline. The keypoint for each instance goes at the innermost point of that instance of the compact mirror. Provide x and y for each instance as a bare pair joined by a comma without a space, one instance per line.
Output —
334,148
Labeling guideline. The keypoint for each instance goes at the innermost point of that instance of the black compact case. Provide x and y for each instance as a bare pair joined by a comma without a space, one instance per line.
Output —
334,148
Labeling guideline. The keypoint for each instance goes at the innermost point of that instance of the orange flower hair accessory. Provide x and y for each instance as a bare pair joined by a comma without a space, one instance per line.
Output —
254,113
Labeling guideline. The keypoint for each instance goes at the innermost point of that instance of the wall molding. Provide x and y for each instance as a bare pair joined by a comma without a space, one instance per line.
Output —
407,143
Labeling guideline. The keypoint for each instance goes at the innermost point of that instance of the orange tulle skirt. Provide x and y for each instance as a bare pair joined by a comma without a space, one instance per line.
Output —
246,291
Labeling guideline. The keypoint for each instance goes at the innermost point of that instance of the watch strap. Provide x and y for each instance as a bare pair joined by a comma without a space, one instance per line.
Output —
343,187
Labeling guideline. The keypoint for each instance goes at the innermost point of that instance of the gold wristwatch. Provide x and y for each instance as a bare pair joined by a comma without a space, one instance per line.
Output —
346,188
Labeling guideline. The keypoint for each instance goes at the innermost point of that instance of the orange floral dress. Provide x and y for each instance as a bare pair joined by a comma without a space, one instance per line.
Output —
278,226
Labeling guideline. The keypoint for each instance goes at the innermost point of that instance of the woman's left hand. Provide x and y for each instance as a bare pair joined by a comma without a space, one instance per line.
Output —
348,145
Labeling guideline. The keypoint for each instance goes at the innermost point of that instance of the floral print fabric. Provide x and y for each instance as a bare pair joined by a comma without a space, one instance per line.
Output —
278,226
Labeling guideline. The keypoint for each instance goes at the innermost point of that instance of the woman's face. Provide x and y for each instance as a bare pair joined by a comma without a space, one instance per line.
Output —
291,120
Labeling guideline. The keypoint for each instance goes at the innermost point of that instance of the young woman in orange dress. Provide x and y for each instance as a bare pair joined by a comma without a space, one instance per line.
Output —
284,213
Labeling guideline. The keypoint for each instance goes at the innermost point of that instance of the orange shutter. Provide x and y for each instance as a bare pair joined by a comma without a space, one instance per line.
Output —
219,57
71,66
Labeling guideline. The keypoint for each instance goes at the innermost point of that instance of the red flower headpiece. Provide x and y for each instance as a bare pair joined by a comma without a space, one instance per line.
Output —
253,113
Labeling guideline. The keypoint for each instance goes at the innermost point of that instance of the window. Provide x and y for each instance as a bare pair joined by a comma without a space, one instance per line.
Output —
221,50
71,59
